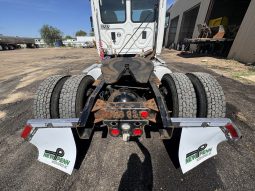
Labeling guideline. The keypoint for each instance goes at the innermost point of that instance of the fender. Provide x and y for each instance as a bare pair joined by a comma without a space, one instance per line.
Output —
94,71
160,68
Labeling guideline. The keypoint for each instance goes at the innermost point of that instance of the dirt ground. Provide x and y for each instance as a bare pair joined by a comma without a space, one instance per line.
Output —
244,73
111,164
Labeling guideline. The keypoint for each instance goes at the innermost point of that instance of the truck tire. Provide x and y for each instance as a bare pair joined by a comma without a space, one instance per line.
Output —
74,95
46,103
180,98
1,48
5,47
11,47
210,96
179,95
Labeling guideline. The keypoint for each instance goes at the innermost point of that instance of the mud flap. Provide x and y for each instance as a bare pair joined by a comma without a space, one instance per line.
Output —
197,145
56,147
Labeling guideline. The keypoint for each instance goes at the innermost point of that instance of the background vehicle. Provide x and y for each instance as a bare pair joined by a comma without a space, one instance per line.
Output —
12,43
130,92
88,45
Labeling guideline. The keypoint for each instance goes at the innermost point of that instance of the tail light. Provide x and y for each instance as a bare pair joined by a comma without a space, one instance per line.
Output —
115,132
26,131
232,131
144,114
137,132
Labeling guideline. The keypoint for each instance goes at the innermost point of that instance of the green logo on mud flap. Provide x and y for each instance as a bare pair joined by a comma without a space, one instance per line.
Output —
198,154
57,157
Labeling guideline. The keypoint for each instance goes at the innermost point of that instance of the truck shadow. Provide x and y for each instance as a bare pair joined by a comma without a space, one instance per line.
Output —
139,175
82,146
172,147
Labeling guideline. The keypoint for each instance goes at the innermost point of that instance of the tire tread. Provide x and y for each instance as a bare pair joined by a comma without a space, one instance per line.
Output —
216,104
42,101
185,93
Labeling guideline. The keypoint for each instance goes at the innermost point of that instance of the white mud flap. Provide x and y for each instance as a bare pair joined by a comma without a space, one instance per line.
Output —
197,145
56,147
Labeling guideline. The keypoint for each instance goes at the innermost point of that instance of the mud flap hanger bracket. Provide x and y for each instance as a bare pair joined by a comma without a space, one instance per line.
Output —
200,122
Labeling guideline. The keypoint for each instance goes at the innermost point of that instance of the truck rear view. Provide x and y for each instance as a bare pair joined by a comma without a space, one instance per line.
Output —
131,91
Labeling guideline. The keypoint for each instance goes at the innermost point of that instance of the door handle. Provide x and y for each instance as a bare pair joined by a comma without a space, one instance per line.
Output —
113,35
144,35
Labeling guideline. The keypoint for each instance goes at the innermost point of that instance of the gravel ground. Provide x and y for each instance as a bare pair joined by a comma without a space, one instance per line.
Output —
111,164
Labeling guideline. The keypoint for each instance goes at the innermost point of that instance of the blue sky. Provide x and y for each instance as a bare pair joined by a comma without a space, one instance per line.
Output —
25,17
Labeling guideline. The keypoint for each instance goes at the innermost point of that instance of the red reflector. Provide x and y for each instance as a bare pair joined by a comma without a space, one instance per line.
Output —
26,131
115,132
137,132
232,130
144,114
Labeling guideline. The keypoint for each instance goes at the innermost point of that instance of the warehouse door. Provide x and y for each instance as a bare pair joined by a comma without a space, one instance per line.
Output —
189,19
172,30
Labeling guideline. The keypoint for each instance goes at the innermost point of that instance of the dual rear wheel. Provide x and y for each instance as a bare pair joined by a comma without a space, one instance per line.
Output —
193,95
62,96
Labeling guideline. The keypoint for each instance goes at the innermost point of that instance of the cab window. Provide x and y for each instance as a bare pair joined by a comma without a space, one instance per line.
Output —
112,11
143,10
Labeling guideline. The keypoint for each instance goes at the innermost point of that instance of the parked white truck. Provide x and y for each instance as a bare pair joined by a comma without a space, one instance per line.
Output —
130,91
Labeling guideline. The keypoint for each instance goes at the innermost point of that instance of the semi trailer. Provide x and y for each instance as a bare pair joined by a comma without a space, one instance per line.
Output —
11,43
129,92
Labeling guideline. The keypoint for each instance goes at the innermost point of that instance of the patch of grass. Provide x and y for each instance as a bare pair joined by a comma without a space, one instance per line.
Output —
249,72
219,68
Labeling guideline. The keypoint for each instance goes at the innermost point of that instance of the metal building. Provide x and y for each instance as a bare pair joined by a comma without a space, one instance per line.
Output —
186,15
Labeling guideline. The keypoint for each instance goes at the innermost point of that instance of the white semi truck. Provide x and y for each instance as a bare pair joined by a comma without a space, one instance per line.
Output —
130,91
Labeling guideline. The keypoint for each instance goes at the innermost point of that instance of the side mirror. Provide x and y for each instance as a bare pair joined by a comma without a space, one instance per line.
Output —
91,24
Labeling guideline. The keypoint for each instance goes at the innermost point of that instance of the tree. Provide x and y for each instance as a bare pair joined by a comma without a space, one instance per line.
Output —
80,33
91,33
68,37
50,34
